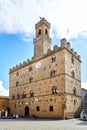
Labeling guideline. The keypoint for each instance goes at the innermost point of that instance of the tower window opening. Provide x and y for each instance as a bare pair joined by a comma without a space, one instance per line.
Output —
46,31
39,32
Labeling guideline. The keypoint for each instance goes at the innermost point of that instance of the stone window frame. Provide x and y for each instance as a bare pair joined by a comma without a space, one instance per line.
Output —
53,73
17,74
39,31
17,83
74,90
23,95
72,59
30,79
37,108
51,108
13,97
46,31
54,90
75,101
53,59
31,93
30,68
18,96
73,73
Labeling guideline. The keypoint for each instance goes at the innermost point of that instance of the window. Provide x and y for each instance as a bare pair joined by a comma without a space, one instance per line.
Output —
17,74
31,94
30,80
72,60
75,101
53,73
13,97
51,108
30,69
24,95
18,96
17,83
39,32
54,90
37,108
73,74
53,59
46,32
74,91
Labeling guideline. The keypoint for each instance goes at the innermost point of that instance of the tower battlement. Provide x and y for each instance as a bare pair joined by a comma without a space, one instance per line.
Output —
65,44
42,21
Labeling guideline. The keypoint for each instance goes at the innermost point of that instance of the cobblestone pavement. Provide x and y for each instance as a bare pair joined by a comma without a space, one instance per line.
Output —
42,124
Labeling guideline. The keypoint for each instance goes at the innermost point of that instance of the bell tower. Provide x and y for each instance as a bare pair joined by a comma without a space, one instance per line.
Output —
42,42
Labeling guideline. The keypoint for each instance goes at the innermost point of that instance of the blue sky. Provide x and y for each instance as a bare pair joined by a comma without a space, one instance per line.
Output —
17,30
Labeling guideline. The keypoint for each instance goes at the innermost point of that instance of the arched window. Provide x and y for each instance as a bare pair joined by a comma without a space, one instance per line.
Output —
74,91
73,74
54,90
13,97
24,95
39,32
72,60
17,83
53,73
46,31
31,93
53,59
30,68
30,80
18,96
17,74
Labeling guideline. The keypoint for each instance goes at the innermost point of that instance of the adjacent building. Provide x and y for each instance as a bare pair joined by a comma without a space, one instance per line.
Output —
84,98
48,85
4,105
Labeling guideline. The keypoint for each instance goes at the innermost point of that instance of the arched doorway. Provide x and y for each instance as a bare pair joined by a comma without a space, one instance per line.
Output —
27,111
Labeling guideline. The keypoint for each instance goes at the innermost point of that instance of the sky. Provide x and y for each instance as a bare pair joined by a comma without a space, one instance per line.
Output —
17,30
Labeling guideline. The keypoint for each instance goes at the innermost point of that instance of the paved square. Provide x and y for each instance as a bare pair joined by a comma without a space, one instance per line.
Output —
42,124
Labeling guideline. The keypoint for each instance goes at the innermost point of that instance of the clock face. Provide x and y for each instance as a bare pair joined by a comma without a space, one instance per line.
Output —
38,65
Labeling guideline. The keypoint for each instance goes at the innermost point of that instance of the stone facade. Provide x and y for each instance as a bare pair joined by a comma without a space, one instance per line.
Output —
48,85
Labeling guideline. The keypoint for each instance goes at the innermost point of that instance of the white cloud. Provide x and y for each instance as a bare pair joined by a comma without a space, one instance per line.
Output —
3,91
84,85
67,17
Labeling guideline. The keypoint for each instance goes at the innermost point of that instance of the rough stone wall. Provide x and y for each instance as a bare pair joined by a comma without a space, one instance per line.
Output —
73,101
41,86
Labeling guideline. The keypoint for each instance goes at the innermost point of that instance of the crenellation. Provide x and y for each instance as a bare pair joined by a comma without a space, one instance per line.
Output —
28,60
63,42
42,21
72,50
79,57
56,48
68,45
49,51
75,53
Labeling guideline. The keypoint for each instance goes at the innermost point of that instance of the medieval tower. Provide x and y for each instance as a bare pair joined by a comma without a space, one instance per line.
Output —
48,85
